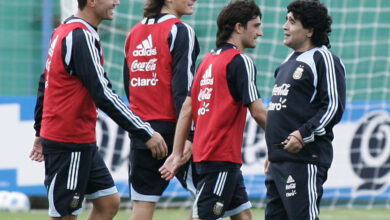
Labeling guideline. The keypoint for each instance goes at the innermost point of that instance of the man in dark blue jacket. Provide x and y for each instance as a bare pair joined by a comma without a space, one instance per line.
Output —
308,99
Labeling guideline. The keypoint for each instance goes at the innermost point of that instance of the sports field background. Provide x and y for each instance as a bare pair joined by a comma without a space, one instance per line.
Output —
360,36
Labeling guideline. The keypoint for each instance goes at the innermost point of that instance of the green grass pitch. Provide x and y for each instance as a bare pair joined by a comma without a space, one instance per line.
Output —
180,214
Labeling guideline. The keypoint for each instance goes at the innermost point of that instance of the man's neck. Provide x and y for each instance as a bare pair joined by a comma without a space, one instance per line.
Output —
305,47
166,10
237,43
89,17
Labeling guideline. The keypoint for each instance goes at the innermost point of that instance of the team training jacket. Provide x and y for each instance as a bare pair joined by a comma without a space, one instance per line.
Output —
309,96
160,55
74,80
219,119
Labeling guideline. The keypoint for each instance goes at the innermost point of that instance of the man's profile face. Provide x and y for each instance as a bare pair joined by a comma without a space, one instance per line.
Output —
295,35
251,32
104,9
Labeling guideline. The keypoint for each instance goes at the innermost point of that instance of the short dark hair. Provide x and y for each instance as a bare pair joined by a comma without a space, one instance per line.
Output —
152,8
313,14
82,4
239,11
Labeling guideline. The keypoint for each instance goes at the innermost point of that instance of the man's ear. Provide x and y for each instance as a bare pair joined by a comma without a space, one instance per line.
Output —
310,33
91,3
238,28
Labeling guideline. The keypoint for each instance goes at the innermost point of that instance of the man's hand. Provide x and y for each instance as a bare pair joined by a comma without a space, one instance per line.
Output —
187,152
171,166
157,145
36,153
294,142
266,166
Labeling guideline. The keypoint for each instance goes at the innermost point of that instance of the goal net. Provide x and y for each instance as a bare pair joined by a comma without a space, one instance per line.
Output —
360,173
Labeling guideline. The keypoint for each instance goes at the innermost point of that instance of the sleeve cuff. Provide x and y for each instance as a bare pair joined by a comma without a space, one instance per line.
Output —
306,134
144,136
37,131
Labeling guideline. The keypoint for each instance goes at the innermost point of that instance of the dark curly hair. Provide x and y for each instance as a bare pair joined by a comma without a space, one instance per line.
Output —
239,11
313,14
81,4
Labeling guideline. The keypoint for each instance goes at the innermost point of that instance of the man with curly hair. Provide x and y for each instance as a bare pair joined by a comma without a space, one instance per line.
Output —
308,99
